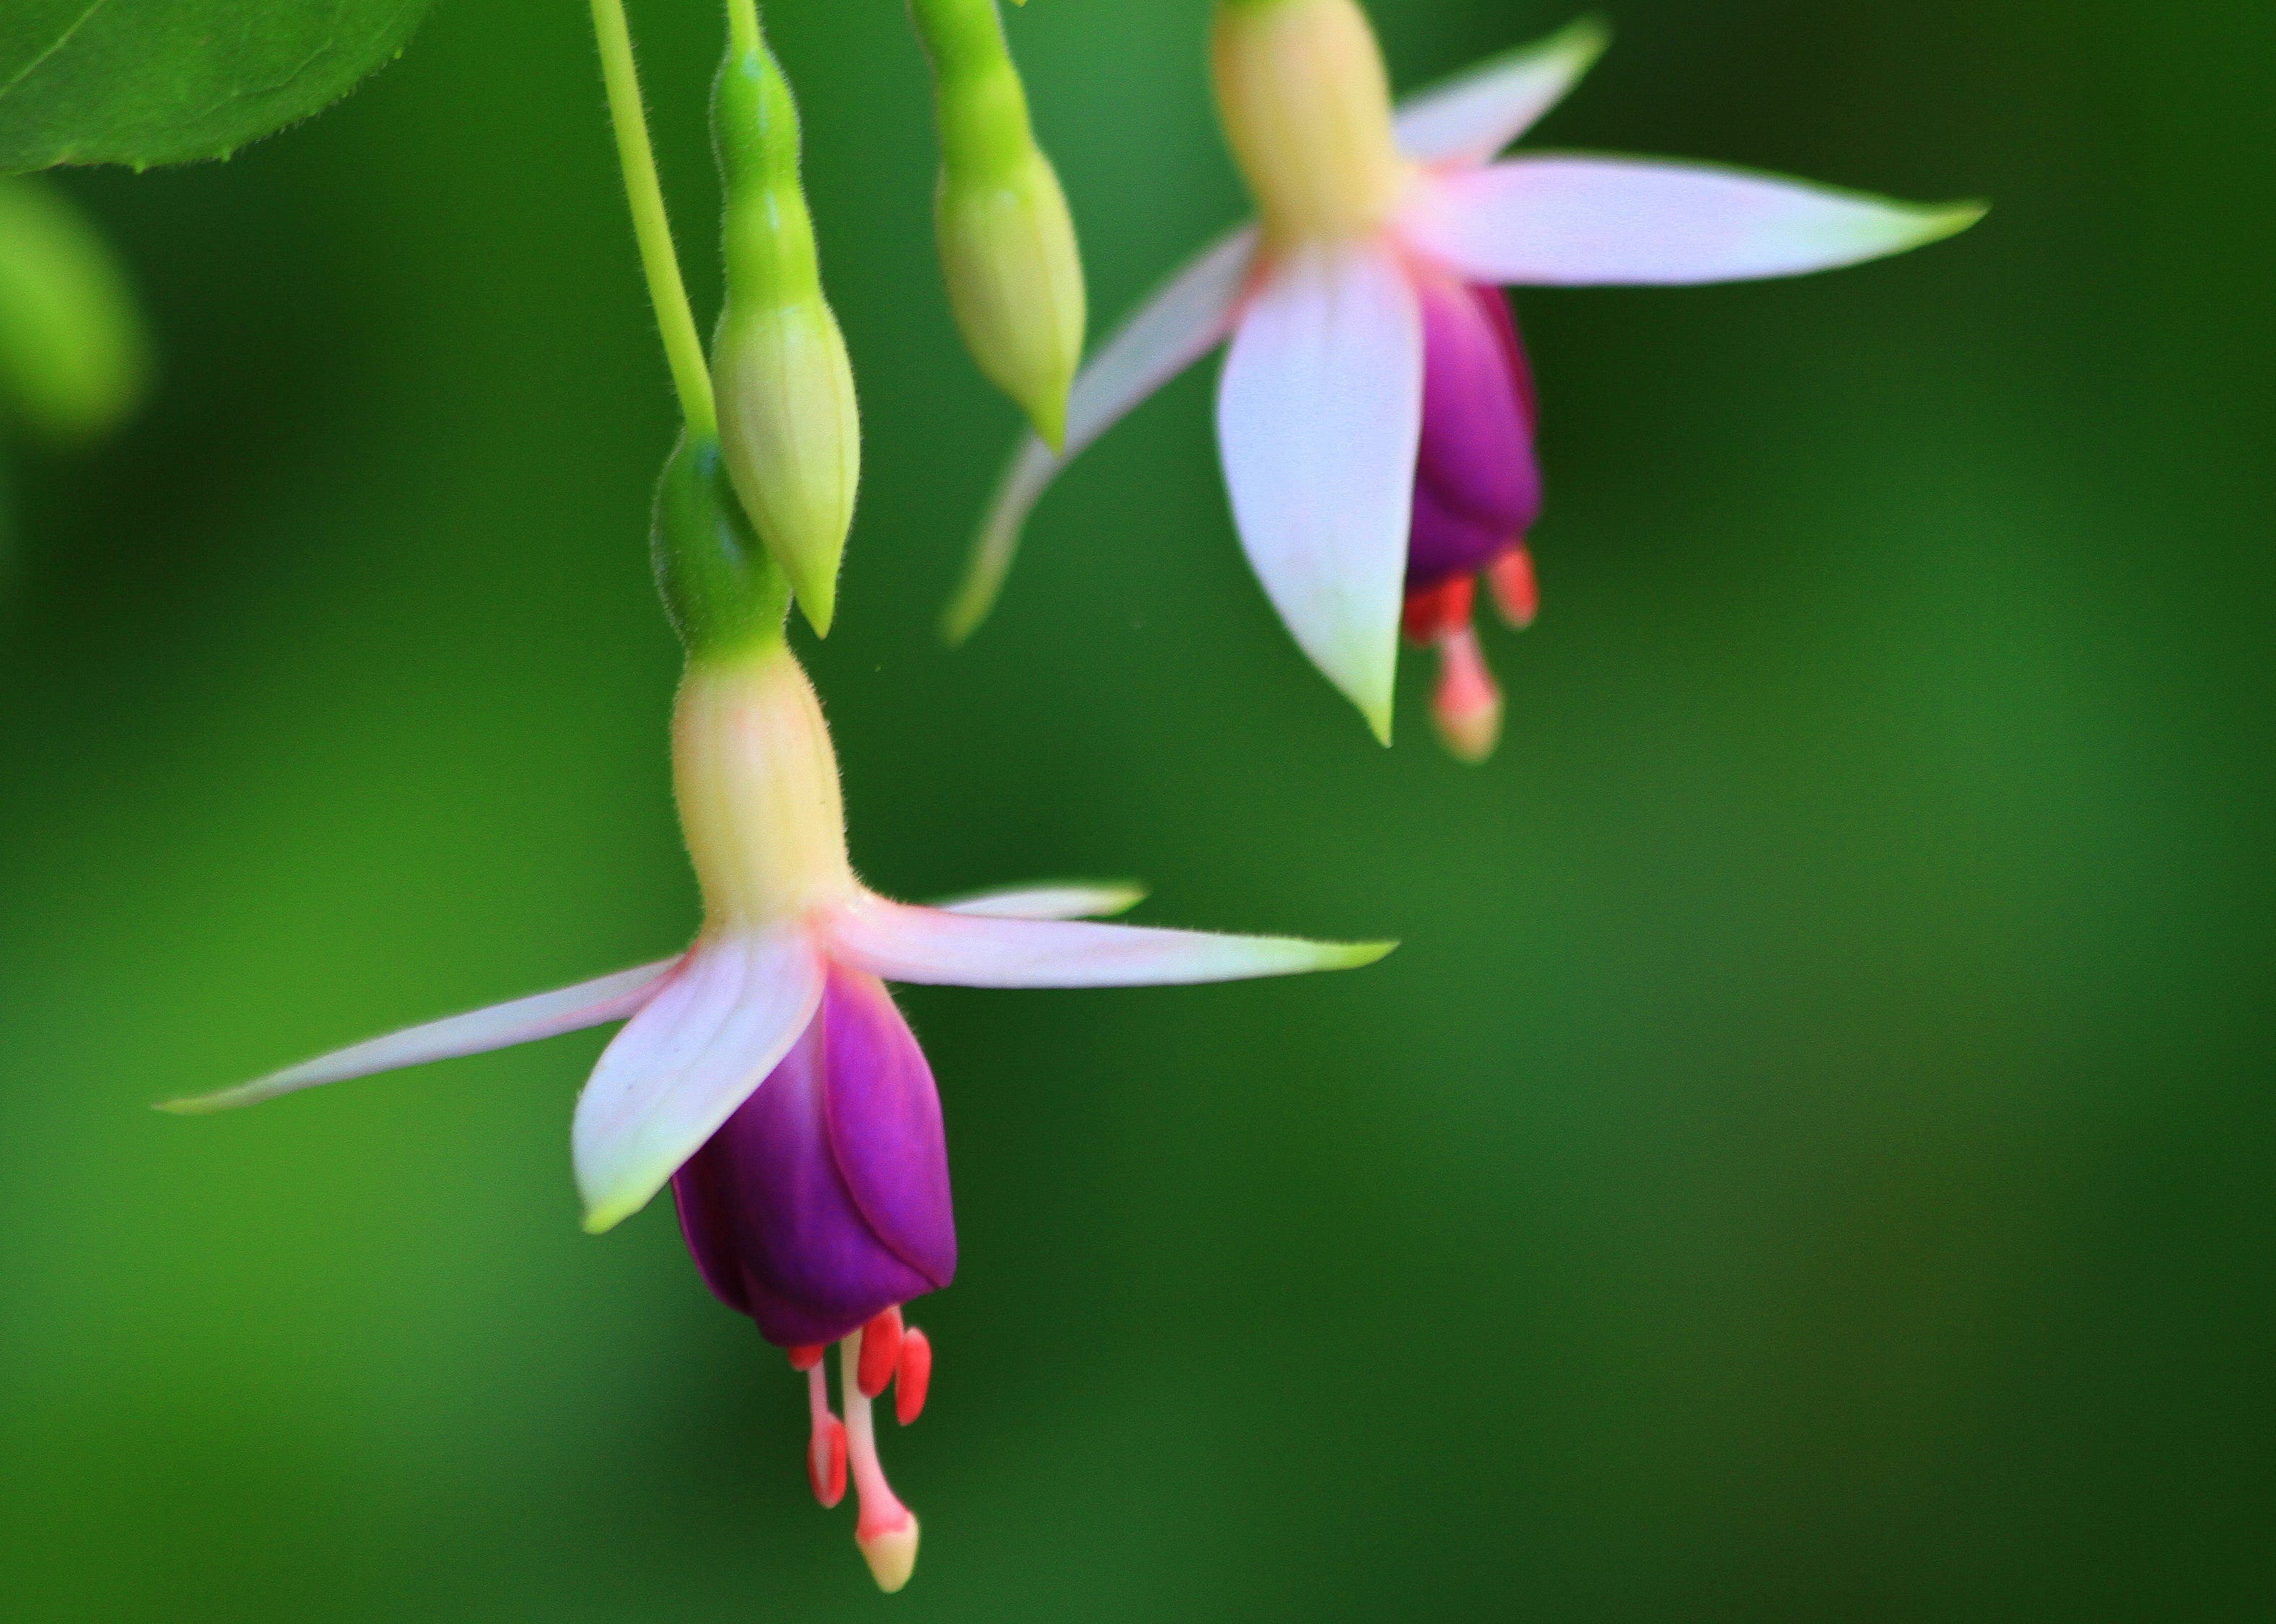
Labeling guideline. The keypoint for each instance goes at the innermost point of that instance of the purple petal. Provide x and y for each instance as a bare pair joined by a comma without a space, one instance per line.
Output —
704,1195
884,1125
1446,542
768,1207
1477,483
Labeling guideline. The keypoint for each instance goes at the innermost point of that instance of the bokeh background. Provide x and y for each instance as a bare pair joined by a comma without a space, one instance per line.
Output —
1811,1160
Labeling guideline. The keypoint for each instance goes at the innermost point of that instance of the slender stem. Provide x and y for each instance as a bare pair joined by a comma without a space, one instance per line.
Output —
743,26
683,348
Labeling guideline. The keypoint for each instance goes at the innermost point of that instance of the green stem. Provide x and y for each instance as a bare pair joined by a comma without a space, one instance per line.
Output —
683,348
743,26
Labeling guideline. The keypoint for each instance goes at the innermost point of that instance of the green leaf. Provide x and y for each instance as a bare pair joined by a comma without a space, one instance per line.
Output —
170,81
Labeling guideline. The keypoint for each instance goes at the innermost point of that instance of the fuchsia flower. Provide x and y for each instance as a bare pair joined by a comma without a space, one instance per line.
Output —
1375,414
766,1075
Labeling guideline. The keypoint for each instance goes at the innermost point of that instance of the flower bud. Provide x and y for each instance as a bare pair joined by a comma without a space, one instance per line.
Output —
790,430
1007,244
1306,104
73,359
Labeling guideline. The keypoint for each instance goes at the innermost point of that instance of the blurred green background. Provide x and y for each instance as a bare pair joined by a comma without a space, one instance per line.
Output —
1811,1160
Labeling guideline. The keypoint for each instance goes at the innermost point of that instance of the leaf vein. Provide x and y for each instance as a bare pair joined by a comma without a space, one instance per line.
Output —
60,41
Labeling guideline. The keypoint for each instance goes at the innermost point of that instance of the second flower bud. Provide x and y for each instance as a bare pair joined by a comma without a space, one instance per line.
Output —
1007,243
790,428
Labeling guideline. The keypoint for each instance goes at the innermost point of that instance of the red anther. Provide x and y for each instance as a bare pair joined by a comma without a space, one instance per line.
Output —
913,1377
805,1357
825,1461
1516,592
1433,611
881,1351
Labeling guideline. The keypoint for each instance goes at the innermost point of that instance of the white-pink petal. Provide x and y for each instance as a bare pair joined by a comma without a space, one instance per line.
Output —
901,943
501,1026
686,1060
1318,412
1586,221
1469,118
1185,318
1073,899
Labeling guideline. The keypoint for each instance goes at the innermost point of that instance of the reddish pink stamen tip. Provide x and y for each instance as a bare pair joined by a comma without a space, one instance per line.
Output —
1434,611
881,1353
804,1358
913,1377
1516,590
825,1461
1467,706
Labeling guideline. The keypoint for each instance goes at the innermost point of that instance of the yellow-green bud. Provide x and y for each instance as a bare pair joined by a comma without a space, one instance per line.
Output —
73,356
790,429
1306,104
1007,244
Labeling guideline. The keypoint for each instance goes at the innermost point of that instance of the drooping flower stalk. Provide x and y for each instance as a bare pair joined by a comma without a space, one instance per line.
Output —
1376,412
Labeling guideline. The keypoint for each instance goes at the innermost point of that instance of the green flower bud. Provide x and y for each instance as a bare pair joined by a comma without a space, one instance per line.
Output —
1007,244
790,429
724,593
73,356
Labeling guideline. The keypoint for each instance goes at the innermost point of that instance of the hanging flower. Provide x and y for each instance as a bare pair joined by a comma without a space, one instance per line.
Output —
766,1075
1374,415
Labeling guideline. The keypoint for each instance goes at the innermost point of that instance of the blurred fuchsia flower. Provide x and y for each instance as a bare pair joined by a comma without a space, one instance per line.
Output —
1376,416
767,1076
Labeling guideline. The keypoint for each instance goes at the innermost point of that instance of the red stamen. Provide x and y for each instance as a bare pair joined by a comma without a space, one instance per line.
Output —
881,1351
1433,611
825,1463
1467,706
826,1445
804,1358
913,1377
1516,591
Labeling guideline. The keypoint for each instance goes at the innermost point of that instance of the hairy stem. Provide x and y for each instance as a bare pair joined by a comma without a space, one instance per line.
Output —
743,26
683,349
